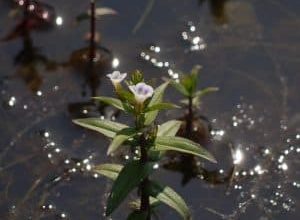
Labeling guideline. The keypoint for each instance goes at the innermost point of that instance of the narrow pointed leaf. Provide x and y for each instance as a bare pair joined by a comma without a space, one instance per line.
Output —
161,106
120,138
157,98
180,88
110,171
169,128
130,176
194,77
182,145
206,91
105,127
169,197
188,83
111,101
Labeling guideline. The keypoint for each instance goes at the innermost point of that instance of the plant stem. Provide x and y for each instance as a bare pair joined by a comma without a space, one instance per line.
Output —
189,119
93,32
145,201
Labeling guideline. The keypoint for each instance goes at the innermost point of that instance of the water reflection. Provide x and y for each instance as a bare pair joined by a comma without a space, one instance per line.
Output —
261,169
91,64
35,16
217,9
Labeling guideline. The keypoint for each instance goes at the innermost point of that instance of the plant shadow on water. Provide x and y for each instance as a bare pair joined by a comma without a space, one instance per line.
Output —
251,125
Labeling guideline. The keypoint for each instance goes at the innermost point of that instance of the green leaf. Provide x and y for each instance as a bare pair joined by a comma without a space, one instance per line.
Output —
110,171
168,196
126,95
105,127
161,106
137,215
130,176
120,138
194,79
169,128
206,91
156,98
180,88
182,145
187,82
111,101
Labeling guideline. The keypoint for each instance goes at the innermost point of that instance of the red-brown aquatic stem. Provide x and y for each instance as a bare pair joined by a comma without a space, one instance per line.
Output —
145,202
189,118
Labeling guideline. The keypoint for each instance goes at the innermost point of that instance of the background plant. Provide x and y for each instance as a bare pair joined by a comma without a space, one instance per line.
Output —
187,86
149,142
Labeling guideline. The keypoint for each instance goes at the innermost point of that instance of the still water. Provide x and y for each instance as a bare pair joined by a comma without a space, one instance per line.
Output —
249,49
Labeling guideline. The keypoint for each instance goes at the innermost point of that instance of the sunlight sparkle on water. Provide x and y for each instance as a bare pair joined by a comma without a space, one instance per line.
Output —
12,101
238,156
59,21
115,63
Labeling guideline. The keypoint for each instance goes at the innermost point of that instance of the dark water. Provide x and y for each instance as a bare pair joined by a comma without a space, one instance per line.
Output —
249,49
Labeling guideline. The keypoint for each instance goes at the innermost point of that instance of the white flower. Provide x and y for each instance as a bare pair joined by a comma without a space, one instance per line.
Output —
116,77
141,91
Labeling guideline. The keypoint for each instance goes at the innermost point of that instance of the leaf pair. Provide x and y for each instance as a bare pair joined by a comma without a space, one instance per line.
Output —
188,83
165,137
130,177
132,174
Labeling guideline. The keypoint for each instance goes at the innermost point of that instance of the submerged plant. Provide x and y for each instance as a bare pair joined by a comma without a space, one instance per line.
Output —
148,141
187,86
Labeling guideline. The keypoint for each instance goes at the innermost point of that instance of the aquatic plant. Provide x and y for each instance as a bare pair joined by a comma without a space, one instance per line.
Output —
187,86
148,143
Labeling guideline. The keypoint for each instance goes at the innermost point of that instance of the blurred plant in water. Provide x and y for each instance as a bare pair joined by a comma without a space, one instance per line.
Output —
187,86
194,127
148,143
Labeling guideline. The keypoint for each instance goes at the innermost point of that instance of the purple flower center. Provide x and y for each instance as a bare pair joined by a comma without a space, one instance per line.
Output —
143,90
